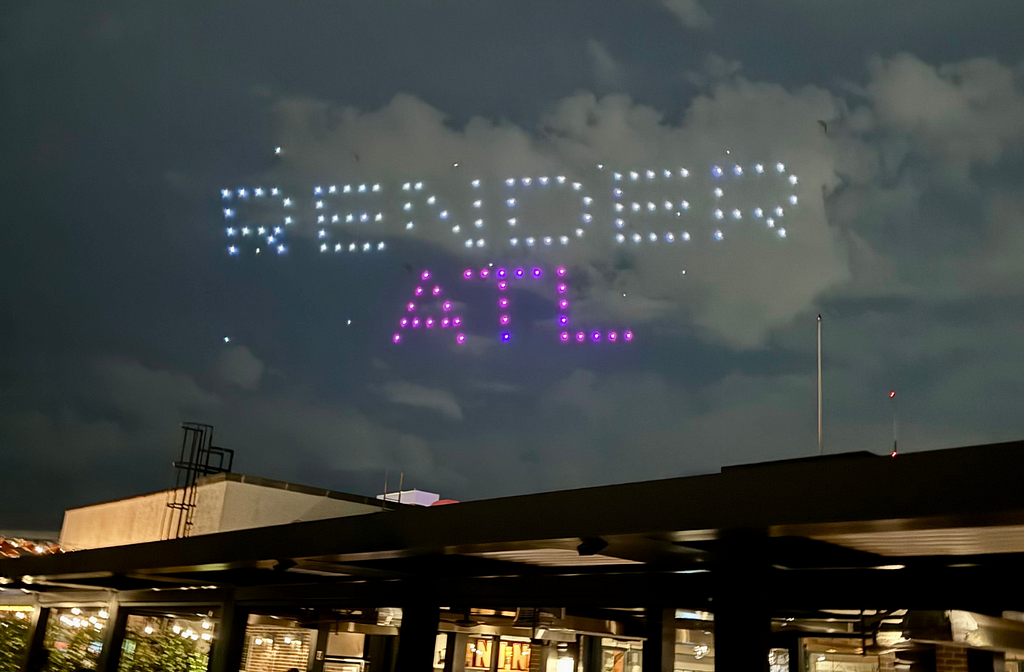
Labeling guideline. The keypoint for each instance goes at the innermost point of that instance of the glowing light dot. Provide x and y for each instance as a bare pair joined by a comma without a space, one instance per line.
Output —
759,168
519,272
718,235
736,214
287,201
404,322
323,247
510,181
501,272
564,240
782,233
780,167
273,191
587,217
651,207
409,226
670,237
793,199
770,222
527,181
576,186
503,319
397,338
467,274
580,336
667,173
737,170
485,273
543,180
410,306
511,202
650,174
405,187
228,212
587,200
380,246
718,192
778,211
719,214
445,322
362,188
596,336
347,189
415,322
619,238
512,221
636,238
425,275
716,171
536,272
429,323
232,250
502,284
547,240
628,335
618,207
376,187
758,212
281,249
505,336
563,304
503,302
513,242
480,243
479,223
683,172
564,337
318,190
563,320
460,339
579,233
792,179
562,288
456,228
407,206
456,321
476,183
530,241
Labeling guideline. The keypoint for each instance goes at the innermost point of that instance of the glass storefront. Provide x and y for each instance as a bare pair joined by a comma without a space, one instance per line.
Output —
14,625
167,643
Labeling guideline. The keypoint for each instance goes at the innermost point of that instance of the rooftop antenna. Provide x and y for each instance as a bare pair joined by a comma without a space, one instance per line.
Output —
892,395
384,499
820,444
401,480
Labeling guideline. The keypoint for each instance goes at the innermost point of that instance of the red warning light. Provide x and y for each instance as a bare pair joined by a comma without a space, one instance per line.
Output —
892,394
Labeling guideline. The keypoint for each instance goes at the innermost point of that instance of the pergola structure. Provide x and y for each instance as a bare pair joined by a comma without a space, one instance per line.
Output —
847,545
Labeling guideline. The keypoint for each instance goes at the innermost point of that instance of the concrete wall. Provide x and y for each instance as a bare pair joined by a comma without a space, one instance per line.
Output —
247,505
221,505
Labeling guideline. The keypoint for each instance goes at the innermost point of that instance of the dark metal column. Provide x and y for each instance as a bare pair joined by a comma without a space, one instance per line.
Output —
455,652
323,633
227,649
660,645
495,649
742,616
539,654
33,658
113,638
379,651
416,639
592,653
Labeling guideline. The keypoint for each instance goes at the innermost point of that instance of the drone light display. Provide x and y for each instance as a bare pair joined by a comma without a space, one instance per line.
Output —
514,217
641,207
432,309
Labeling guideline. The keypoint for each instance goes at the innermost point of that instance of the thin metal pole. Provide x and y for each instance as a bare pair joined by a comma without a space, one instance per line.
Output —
820,444
892,395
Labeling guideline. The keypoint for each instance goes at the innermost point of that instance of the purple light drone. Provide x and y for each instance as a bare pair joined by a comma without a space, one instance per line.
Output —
430,309
642,207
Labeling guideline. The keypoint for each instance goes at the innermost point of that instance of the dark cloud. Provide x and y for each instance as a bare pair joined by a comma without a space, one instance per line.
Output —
122,122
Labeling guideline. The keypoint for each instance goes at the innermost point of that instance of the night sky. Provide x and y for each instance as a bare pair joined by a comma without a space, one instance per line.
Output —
120,122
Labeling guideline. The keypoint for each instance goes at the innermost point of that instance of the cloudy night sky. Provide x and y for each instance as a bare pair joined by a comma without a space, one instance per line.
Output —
121,122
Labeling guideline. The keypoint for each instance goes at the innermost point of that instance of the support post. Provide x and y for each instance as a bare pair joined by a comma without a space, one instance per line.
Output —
113,638
495,661
416,639
323,633
660,645
379,651
227,650
796,655
455,652
35,655
539,654
591,652
742,614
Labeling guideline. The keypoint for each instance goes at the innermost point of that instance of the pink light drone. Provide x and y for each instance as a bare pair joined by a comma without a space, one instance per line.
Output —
503,278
